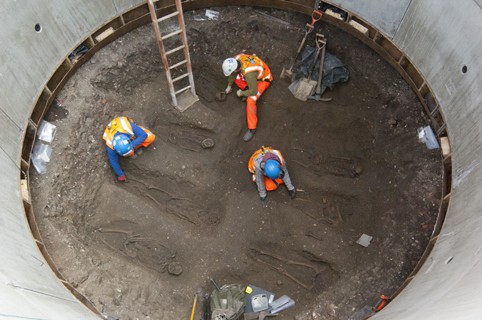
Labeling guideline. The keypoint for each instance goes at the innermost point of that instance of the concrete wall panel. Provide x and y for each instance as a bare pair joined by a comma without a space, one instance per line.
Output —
52,307
28,57
10,138
126,5
448,38
446,43
384,15
10,190
440,38
449,280
28,287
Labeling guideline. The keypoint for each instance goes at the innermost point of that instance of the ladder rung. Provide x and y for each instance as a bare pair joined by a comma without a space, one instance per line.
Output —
171,34
180,77
168,16
441,129
174,50
434,111
182,90
177,64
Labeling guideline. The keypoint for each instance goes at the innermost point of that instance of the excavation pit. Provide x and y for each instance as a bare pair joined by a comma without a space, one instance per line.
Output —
356,159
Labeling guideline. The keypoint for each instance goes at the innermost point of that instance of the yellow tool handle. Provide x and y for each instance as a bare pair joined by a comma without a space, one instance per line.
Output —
193,308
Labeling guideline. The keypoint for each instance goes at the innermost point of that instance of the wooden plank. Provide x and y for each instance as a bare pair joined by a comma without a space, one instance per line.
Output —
445,145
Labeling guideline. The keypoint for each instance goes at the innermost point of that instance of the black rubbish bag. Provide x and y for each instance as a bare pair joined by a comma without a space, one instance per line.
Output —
334,71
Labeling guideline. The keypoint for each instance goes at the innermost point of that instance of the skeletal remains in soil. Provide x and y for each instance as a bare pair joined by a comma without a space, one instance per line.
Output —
132,238
311,234
329,214
258,252
166,202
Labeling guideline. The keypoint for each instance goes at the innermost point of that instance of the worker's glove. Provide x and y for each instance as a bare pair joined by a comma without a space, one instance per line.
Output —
238,93
228,89
122,178
264,200
292,193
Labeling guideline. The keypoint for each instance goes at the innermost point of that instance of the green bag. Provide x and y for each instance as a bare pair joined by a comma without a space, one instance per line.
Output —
228,302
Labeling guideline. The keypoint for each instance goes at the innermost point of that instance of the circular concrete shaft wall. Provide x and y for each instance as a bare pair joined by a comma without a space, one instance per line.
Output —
437,47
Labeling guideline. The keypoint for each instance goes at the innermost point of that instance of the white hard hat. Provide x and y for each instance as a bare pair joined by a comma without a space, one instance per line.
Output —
229,66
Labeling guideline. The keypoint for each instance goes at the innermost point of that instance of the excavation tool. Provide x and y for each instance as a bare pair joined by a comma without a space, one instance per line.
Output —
193,308
304,87
220,96
214,284
317,95
315,16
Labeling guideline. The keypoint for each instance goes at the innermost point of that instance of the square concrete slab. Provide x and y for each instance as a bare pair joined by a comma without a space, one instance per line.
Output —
364,240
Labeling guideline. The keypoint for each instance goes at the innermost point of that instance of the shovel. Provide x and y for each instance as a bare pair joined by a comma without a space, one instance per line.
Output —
289,72
317,96
315,16
304,88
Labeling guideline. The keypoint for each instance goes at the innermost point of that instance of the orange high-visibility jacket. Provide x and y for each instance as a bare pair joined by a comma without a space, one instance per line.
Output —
262,151
252,63
122,125
264,183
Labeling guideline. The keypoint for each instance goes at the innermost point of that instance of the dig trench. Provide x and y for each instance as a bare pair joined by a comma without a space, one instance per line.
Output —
356,161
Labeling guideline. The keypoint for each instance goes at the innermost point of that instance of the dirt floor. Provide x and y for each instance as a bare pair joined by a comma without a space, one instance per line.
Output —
356,162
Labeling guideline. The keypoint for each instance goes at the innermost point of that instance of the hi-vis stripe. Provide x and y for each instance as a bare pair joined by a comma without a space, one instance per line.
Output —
255,68
107,140
124,122
276,152
256,97
126,126
259,153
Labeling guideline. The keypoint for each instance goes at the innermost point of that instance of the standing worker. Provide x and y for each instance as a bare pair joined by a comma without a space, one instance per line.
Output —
253,77
268,169
122,137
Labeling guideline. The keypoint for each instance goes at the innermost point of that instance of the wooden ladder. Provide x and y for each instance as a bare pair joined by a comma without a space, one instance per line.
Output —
184,97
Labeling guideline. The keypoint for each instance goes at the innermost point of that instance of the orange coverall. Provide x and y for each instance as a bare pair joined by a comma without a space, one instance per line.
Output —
253,78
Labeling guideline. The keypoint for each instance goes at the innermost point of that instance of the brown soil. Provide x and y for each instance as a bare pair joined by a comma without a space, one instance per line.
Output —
357,161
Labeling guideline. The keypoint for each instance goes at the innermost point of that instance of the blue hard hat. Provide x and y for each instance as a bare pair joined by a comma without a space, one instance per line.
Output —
122,144
272,169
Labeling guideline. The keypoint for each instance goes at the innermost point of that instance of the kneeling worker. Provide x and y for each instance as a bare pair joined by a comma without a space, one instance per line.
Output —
268,169
252,76
122,136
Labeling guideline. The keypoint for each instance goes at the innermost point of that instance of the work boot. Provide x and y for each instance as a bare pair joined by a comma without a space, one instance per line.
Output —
292,193
249,135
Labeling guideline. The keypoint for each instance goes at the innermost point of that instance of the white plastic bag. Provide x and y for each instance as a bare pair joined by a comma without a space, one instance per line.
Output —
41,156
46,131
212,15
426,135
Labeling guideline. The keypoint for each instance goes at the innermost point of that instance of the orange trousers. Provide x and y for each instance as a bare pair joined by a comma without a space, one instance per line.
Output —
251,109
150,138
